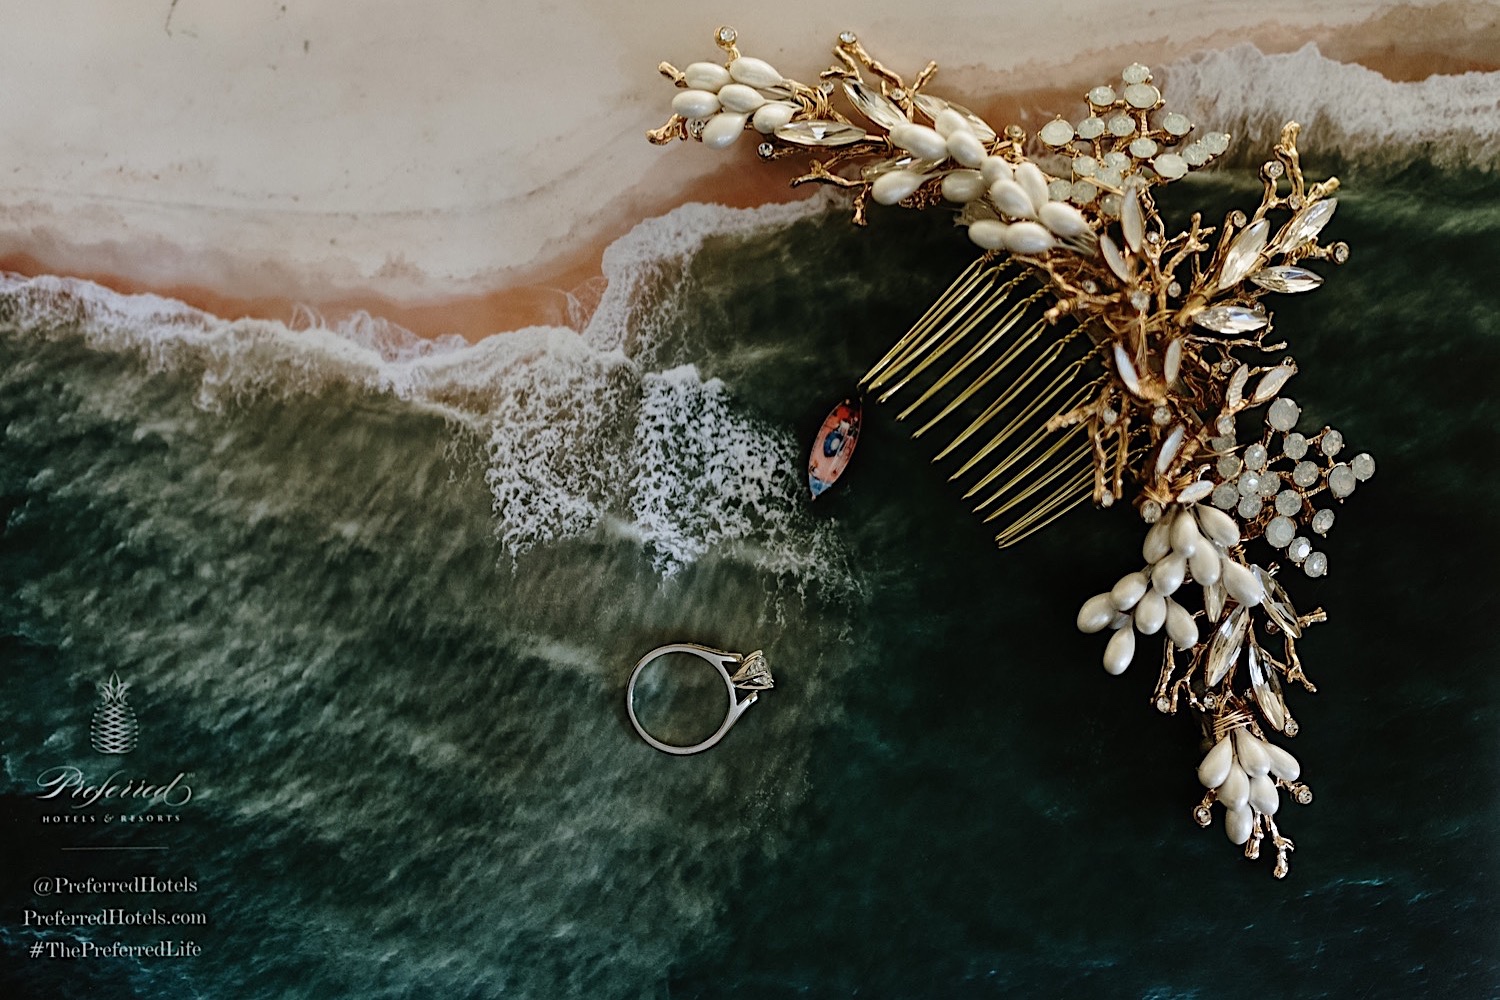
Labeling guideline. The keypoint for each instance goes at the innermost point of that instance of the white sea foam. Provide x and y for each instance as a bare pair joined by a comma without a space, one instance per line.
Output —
1345,109
578,430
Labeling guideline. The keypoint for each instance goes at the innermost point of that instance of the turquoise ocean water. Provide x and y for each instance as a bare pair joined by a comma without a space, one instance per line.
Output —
378,601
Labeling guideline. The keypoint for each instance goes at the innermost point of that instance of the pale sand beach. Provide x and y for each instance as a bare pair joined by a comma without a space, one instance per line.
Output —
461,168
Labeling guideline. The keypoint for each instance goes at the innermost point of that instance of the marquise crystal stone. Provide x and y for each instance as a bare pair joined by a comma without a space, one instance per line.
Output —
1224,650
1306,224
873,104
1230,319
1278,605
820,133
1244,253
933,106
1287,279
1267,689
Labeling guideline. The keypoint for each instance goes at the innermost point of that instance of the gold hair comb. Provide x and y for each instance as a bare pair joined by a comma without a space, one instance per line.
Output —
1087,354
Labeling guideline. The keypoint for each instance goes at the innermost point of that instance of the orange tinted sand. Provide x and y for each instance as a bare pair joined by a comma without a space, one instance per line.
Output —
1455,38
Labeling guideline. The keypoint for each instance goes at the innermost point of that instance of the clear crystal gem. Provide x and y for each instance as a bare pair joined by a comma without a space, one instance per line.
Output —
1322,521
1280,532
1315,565
1142,95
1216,143
1091,128
727,35
1283,414
1230,319
1225,424
1294,445
1341,481
1056,132
766,150
1270,484
1306,224
1288,503
1273,168
847,38
820,133
1299,549
1224,648
1287,279
1363,465
1150,512
1175,123
1340,253
1249,484
1169,165
1225,496
933,106
1332,443
873,104
1304,474
1278,605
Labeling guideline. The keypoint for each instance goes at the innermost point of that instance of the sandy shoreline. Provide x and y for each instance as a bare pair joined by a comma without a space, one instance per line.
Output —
415,215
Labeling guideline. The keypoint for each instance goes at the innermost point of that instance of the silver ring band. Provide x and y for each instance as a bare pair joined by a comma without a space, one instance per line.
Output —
741,673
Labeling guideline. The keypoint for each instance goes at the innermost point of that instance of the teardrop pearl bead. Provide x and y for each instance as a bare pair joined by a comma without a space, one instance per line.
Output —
963,186
1028,238
1283,764
1063,219
754,72
1263,795
949,123
1158,539
1216,763
989,234
1218,525
722,129
1251,753
770,117
1120,651
1206,566
893,185
1033,182
1097,612
966,148
695,103
1238,825
994,169
705,76
1129,590
1242,584
1151,613
1181,628
740,98
1167,575
920,141
1185,536
1011,199
1235,790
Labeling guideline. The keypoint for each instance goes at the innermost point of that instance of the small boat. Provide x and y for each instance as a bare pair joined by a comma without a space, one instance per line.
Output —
833,446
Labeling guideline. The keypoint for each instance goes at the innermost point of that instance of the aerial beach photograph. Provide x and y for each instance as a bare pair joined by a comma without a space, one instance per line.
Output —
413,419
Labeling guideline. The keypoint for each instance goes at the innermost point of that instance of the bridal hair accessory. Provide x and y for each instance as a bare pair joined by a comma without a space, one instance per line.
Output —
1088,354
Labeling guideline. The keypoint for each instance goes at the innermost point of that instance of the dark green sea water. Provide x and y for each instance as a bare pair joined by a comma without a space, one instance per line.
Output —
381,610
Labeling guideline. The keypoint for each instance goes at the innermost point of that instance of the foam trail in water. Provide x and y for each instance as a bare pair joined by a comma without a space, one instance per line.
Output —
578,429
1345,109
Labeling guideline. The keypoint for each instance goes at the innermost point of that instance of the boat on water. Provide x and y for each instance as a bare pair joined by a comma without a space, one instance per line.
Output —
834,445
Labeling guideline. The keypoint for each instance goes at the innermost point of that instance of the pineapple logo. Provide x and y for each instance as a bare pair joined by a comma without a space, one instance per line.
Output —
114,729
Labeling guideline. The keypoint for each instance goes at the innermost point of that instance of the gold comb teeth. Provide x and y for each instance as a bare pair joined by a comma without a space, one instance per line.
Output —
1087,354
